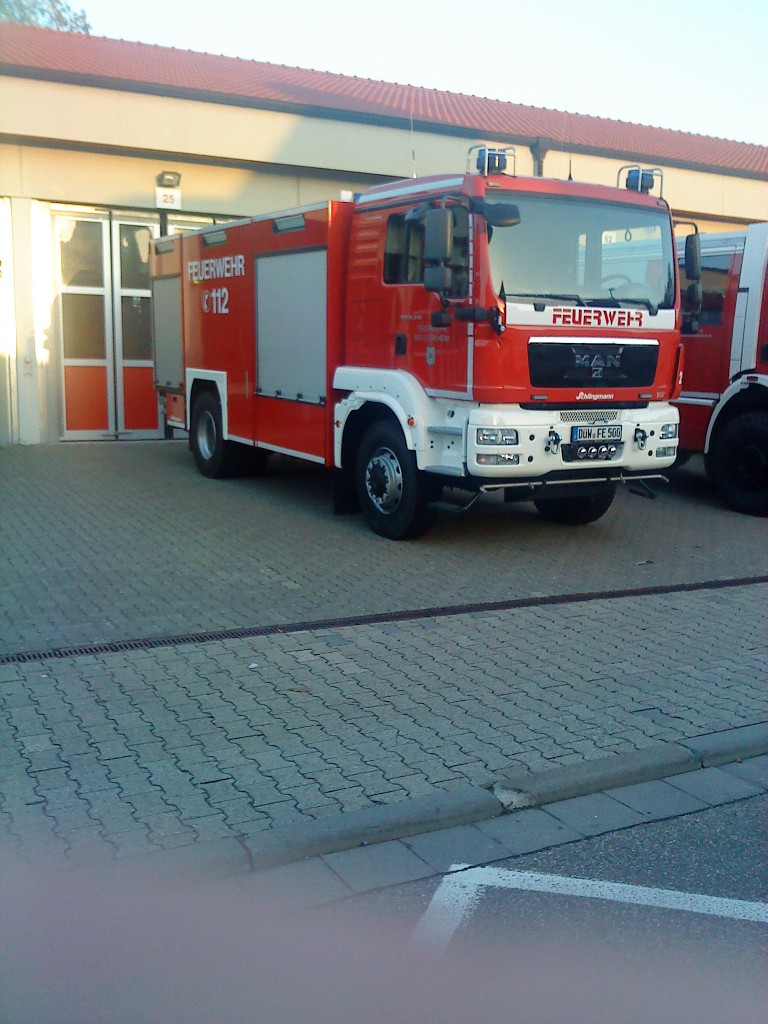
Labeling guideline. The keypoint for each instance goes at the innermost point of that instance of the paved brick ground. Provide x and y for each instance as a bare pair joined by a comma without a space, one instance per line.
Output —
150,749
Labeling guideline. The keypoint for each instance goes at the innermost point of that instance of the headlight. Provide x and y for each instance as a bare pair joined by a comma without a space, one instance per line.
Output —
496,435
666,453
502,459
668,431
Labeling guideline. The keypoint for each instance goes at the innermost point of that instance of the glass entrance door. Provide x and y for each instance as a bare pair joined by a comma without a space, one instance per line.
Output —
137,400
105,318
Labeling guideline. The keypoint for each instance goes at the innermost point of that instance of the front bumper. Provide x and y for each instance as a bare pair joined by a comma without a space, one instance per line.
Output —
570,443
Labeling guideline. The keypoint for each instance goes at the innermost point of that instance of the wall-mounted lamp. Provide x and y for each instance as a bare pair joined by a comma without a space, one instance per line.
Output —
168,179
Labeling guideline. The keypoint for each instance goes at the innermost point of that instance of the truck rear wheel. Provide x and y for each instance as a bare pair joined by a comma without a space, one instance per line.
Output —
739,463
578,509
393,494
214,456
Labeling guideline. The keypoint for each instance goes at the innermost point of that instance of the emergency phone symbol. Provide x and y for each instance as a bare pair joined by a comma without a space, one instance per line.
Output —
216,301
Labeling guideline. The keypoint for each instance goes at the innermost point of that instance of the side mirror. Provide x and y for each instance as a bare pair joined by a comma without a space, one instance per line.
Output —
501,215
438,235
692,301
438,279
693,257
694,296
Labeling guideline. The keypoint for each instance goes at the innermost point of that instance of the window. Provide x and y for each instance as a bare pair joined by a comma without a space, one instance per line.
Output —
714,284
134,256
404,251
584,251
82,253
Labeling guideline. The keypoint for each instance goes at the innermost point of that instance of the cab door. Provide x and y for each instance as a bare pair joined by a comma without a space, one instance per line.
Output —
439,354
708,352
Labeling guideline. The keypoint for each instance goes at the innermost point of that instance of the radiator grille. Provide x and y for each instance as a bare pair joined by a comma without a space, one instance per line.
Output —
580,364
588,415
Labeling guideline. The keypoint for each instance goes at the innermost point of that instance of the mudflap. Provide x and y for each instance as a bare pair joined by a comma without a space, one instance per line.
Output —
345,501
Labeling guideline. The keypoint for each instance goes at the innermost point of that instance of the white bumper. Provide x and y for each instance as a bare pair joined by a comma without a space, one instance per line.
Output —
573,441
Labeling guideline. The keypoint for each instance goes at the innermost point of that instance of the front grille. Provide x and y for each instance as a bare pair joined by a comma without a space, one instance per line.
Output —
579,364
588,415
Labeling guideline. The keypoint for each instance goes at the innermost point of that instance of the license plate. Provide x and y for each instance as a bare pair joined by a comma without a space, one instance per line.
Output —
596,433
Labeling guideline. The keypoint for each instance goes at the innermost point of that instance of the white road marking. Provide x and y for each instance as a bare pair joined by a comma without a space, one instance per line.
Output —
460,891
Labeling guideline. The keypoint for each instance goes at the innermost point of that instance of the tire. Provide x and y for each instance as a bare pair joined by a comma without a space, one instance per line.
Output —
393,494
215,457
739,463
579,509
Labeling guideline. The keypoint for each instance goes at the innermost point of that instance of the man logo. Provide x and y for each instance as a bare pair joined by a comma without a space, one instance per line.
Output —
597,363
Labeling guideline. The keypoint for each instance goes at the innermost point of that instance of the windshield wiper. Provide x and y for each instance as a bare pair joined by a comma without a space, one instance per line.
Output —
653,310
558,296
618,303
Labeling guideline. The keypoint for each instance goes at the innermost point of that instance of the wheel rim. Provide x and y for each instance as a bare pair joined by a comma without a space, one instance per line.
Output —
384,480
206,435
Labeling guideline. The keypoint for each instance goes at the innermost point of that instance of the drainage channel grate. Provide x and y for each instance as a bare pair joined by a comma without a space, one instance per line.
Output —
411,615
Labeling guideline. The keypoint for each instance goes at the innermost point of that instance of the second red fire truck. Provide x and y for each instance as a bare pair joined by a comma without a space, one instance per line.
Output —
724,402
456,333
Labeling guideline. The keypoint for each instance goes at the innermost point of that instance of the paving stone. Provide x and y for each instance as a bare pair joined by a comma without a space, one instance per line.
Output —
68,819
384,864
594,814
146,804
292,887
755,770
214,826
160,826
462,844
657,800
714,786
528,830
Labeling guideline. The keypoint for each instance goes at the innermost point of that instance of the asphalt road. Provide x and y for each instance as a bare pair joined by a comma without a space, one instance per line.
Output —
608,949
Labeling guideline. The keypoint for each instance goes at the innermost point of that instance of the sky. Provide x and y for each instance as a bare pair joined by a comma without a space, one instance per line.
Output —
691,65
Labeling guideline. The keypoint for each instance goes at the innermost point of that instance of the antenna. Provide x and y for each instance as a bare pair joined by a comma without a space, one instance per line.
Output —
563,141
413,140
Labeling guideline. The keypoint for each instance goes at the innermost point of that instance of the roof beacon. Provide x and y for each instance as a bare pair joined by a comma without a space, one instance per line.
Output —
490,160
641,179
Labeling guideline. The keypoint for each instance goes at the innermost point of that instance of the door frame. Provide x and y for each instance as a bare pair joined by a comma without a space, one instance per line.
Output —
91,375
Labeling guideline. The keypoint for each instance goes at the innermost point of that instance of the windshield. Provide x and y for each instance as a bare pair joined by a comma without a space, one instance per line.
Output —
583,252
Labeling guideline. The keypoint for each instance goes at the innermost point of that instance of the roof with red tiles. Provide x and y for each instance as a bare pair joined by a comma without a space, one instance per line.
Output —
112,63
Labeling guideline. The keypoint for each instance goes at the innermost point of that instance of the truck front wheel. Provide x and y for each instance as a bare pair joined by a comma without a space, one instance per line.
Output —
578,509
739,463
392,492
214,456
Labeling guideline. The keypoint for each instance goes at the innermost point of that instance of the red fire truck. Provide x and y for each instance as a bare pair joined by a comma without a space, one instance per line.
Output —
457,333
724,402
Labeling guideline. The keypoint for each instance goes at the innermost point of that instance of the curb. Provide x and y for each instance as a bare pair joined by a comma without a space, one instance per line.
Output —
290,843
235,856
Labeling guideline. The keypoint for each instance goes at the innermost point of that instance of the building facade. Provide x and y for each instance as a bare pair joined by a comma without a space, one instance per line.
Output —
106,144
